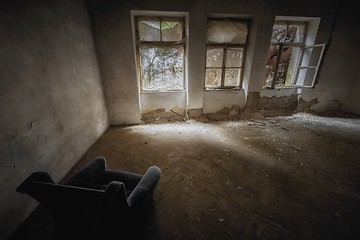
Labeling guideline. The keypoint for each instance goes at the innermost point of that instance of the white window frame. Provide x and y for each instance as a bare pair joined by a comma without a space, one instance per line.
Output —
141,43
225,47
301,77
303,66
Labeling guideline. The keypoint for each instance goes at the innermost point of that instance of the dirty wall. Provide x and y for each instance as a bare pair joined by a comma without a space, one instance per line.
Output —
51,98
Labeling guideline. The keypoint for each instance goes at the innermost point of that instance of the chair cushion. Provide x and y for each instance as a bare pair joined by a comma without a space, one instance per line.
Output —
88,174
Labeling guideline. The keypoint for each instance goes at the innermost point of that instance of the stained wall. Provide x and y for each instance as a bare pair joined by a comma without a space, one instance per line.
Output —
114,37
51,97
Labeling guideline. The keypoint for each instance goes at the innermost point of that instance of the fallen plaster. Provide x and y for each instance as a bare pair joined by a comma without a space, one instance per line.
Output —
178,114
195,113
227,113
160,115
304,106
258,108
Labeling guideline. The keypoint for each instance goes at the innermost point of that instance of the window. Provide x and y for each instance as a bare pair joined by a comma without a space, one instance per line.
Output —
290,62
225,53
160,51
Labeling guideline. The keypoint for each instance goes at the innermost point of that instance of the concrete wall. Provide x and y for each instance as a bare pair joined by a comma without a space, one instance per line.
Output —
51,98
150,101
339,73
352,102
217,100
114,40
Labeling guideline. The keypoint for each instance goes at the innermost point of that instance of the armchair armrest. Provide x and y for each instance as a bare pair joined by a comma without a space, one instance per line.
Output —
143,191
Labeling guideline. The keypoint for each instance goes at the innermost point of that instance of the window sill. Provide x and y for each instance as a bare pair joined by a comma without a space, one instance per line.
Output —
162,92
222,89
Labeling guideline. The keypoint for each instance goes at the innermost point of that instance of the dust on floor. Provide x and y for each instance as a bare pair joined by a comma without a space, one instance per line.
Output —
284,177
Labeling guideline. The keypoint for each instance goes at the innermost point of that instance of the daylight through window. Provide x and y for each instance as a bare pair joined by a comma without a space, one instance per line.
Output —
225,51
290,63
160,50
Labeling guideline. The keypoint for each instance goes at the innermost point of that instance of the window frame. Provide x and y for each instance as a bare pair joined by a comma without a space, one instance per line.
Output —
298,65
308,66
142,43
225,47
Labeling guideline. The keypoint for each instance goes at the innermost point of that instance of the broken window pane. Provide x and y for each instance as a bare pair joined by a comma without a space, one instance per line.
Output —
214,57
298,32
234,57
288,33
279,33
149,30
227,32
213,77
162,68
282,56
226,39
232,77
284,68
290,62
171,31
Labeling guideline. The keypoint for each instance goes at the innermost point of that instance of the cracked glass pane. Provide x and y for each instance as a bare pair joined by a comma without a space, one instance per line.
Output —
149,30
171,31
162,68
278,33
232,77
213,77
234,57
214,57
292,33
284,66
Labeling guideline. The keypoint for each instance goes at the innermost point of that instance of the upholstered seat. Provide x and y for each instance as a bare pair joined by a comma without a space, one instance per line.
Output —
95,202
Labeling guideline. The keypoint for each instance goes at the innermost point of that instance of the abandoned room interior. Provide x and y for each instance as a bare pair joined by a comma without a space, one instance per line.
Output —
249,108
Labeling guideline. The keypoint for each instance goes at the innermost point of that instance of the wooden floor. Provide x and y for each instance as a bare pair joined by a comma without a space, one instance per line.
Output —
295,177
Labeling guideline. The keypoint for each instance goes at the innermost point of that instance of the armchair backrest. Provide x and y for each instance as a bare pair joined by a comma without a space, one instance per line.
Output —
86,176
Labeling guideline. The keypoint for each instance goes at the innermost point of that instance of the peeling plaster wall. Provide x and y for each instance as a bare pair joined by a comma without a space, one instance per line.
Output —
278,92
339,72
150,101
51,98
217,100
114,40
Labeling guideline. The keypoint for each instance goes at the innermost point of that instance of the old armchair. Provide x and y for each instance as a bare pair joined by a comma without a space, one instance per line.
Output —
95,202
